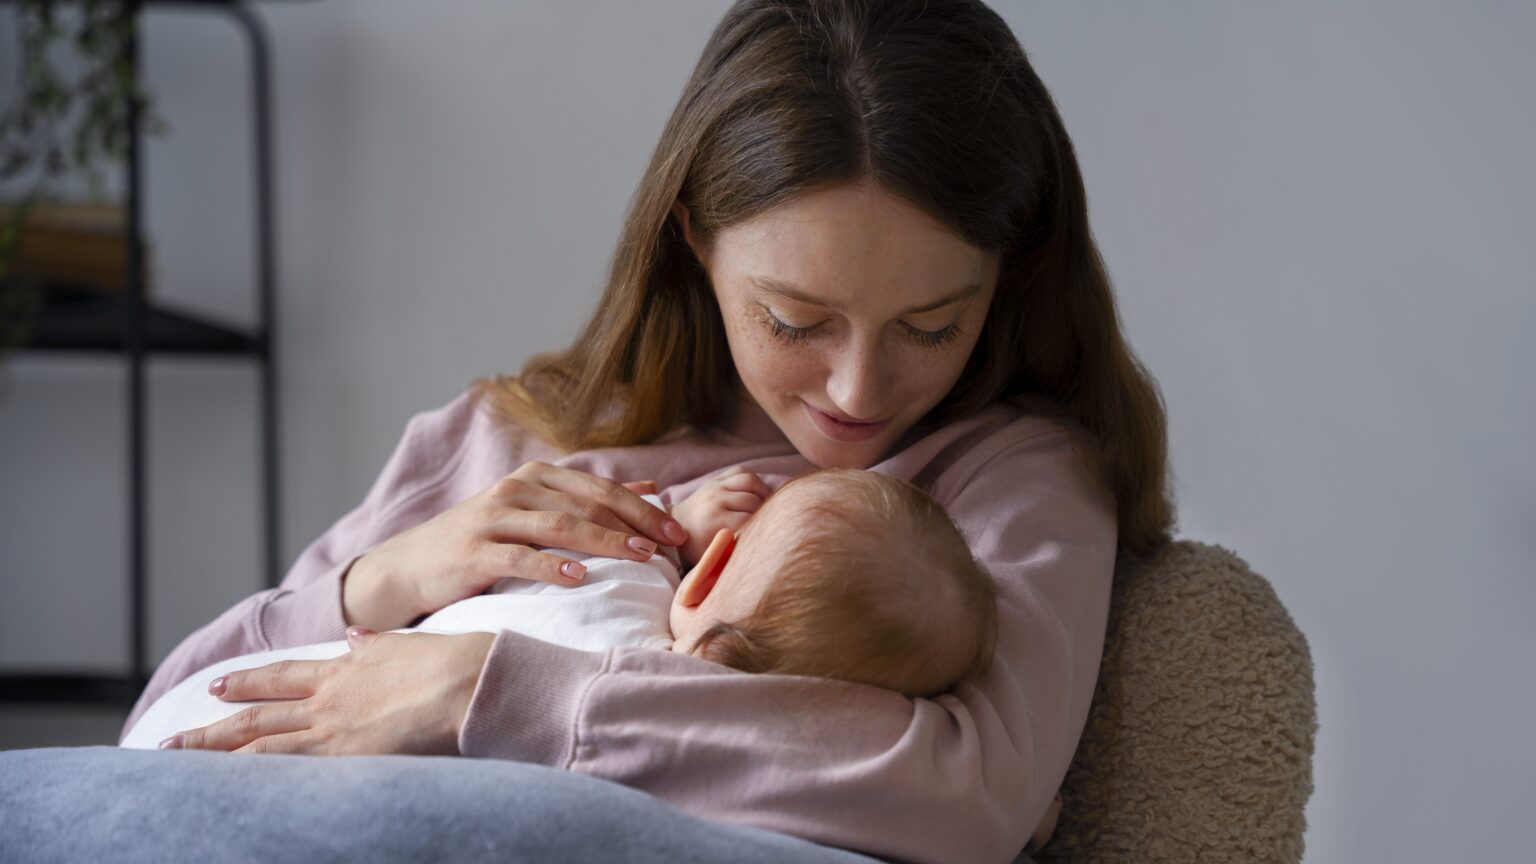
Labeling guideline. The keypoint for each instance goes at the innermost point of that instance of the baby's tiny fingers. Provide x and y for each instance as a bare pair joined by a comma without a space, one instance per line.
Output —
743,502
747,482
735,519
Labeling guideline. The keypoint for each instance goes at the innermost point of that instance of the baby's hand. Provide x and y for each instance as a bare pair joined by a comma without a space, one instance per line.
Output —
724,502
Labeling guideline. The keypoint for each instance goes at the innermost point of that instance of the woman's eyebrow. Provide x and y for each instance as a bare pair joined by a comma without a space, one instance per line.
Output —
790,292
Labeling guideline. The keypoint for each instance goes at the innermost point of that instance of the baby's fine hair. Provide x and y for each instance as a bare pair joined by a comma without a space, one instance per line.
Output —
880,588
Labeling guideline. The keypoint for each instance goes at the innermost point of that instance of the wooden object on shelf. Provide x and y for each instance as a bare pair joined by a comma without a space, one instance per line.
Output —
78,244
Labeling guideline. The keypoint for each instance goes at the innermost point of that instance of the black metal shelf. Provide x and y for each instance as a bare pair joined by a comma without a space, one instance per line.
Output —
96,324
133,327
72,689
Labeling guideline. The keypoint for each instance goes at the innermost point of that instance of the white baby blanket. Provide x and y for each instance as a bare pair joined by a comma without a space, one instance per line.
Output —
618,603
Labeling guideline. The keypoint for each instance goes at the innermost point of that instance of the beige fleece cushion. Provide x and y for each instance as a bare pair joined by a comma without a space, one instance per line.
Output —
1199,743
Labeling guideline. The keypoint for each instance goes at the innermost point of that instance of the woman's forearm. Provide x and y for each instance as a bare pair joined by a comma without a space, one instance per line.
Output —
847,765
309,605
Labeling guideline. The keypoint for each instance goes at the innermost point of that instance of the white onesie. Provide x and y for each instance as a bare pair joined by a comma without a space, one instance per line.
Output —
617,603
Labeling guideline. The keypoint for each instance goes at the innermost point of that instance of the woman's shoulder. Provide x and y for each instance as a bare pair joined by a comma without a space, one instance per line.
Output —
1030,418
447,422
460,444
468,417
1018,441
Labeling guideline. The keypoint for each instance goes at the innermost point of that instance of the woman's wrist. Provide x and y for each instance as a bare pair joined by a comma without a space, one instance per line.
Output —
475,647
366,599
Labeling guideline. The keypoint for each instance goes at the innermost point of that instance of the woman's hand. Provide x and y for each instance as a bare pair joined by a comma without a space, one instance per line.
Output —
494,534
392,693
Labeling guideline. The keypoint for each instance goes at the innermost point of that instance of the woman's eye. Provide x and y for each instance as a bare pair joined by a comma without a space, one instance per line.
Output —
786,331
933,338
927,338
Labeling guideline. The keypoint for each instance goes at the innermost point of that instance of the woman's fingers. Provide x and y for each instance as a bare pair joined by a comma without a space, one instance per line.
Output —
288,742
513,560
238,730
565,531
583,536
639,513
525,495
285,679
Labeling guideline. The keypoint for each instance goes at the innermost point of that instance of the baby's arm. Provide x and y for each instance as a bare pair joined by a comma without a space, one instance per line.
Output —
727,501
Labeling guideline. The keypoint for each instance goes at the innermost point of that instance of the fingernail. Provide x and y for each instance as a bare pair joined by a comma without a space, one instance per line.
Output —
171,743
216,687
674,532
641,545
572,570
356,631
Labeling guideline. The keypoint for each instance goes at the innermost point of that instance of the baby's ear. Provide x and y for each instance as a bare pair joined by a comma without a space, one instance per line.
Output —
702,578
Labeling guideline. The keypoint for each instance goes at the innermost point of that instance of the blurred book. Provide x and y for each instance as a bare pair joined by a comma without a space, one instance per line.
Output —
76,245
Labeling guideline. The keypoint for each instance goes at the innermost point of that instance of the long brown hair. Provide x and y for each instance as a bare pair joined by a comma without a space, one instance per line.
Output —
934,100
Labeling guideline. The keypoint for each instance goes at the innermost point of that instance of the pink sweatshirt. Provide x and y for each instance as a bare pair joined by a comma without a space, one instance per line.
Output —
964,777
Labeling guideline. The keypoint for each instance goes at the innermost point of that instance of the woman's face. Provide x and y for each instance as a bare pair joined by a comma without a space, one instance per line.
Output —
849,314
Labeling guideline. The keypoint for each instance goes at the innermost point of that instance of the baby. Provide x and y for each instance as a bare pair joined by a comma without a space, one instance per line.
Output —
842,573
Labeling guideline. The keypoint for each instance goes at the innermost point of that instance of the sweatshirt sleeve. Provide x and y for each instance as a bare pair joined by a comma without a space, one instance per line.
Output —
963,777
305,607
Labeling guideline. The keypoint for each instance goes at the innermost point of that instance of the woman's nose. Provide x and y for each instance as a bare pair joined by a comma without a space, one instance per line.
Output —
857,384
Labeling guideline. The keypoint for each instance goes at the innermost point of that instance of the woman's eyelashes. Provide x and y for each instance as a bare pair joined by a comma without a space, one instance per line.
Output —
926,338
787,332
933,338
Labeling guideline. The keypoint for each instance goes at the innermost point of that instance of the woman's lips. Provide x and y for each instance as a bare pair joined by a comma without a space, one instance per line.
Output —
837,430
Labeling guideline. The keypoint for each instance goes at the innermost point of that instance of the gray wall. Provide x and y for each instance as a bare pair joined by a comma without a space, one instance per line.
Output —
1318,216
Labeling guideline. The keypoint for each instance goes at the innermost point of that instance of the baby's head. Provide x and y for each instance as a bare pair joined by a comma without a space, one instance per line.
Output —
844,574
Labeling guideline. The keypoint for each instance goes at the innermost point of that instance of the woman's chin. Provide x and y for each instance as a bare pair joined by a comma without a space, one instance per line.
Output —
825,453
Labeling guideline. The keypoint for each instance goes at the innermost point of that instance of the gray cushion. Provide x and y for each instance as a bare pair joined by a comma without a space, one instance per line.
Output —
109,804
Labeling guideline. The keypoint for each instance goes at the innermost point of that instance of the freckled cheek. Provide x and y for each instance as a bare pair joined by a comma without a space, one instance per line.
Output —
774,366
793,373
923,381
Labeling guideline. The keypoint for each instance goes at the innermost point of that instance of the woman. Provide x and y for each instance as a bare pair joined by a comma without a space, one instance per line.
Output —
862,241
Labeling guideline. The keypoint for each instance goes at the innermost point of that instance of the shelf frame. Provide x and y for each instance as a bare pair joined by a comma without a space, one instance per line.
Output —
150,329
